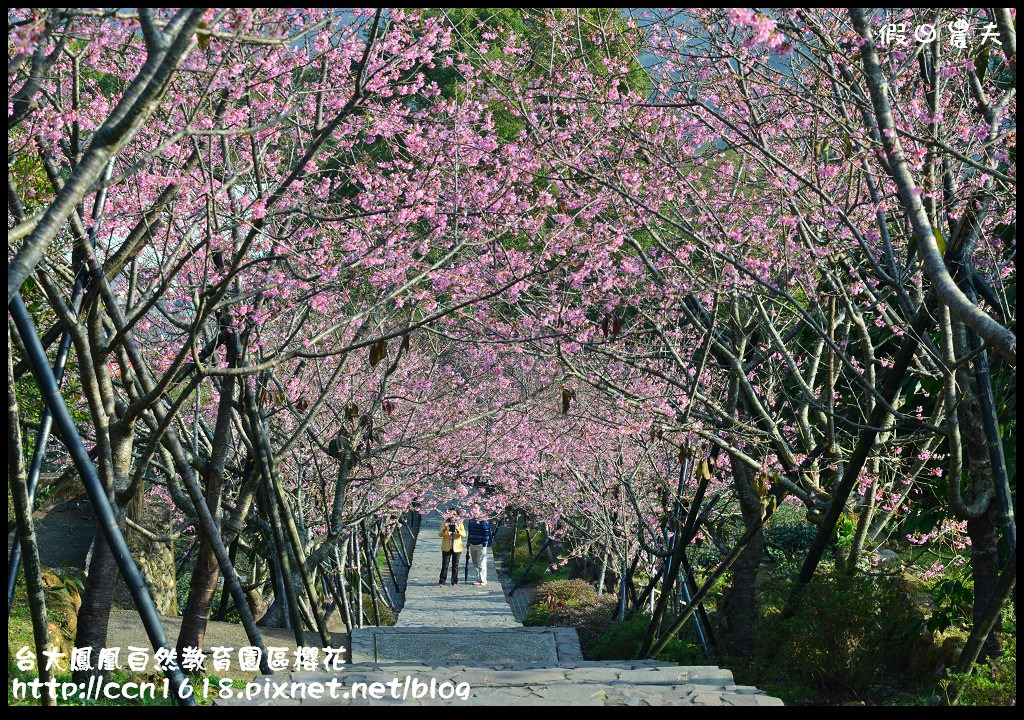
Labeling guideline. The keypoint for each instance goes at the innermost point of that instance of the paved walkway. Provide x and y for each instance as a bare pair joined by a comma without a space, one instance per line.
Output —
126,630
462,605
462,624
466,635
637,683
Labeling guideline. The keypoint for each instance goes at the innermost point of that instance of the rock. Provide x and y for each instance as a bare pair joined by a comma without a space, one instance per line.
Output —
932,654
951,647
155,559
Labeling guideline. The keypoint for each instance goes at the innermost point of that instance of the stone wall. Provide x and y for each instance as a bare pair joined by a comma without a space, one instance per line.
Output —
155,558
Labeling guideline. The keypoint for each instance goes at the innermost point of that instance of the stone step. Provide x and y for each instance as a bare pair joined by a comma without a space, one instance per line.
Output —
446,646
585,683
597,671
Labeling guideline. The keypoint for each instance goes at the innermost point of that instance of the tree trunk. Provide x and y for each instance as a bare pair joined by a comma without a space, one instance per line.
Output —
203,587
101,583
985,571
988,620
741,601
154,554
94,615
196,615
982,524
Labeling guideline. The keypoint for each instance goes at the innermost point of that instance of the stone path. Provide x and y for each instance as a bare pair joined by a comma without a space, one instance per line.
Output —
64,531
467,636
462,624
462,605
466,645
637,683
126,630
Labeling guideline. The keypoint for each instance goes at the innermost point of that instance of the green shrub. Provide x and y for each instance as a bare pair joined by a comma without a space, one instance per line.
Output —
791,537
624,640
848,633
538,616
539,572
704,556
550,595
990,683
520,558
592,619
387,616
953,598
571,592
573,603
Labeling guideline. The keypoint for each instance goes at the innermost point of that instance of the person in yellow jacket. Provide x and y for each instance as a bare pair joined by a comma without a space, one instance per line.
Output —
452,532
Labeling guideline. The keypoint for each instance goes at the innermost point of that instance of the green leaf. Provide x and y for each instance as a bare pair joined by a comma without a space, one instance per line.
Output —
981,62
203,35
911,249
940,240
923,521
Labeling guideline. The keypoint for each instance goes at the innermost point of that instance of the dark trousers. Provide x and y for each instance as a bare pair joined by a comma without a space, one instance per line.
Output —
453,558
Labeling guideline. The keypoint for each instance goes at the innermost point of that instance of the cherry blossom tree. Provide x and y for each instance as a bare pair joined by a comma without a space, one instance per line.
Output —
630,275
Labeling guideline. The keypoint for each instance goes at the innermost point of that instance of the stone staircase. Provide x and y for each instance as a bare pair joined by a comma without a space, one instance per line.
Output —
637,683
465,643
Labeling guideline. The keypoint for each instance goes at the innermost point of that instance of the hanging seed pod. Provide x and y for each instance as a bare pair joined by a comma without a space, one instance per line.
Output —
704,470
617,325
761,485
406,341
568,395
335,449
378,351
